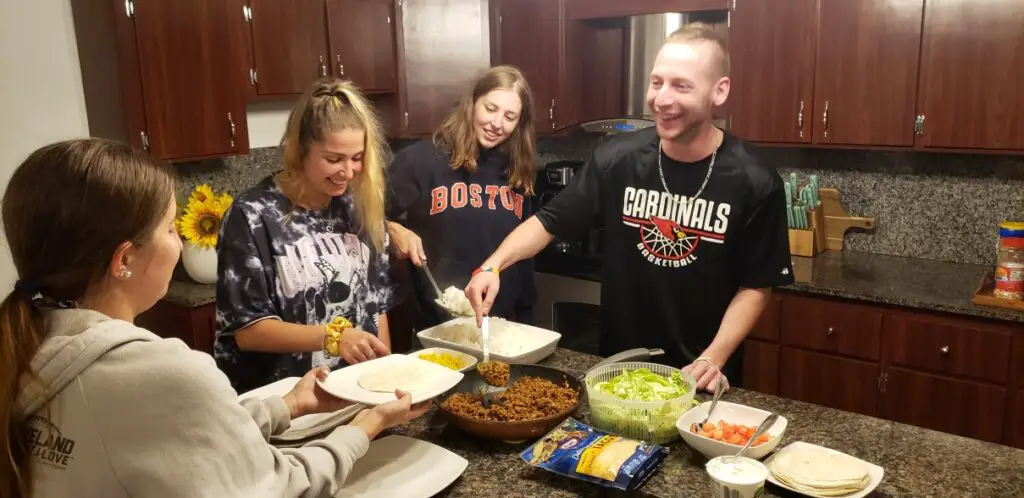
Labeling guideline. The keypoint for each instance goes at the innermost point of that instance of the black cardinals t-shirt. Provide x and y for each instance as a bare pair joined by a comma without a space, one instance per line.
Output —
672,263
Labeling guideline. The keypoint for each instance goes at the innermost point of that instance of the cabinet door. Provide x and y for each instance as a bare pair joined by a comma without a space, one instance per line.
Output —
445,47
528,36
954,406
771,47
850,385
761,366
1015,424
971,73
188,52
289,45
362,34
866,86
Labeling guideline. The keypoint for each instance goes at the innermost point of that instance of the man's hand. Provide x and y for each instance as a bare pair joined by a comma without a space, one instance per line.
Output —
706,374
481,292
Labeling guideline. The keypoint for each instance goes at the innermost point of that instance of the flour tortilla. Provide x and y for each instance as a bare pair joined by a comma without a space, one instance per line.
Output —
819,472
407,376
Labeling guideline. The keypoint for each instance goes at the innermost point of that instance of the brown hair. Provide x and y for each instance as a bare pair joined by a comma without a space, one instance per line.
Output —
698,32
329,106
456,135
66,210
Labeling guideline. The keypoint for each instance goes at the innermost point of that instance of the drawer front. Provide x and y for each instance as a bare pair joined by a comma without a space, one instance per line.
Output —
831,326
767,326
949,346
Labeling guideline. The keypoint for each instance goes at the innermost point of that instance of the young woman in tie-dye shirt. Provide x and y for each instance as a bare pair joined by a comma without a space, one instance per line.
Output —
306,245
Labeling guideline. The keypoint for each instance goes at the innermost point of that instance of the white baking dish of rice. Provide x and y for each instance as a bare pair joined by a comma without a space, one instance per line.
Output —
510,342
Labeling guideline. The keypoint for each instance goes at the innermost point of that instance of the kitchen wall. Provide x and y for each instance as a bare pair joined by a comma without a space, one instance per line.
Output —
926,205
41,97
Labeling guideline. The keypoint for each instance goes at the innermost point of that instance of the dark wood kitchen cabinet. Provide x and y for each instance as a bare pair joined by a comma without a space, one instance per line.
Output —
295,42
164,75
289,45
866,73
771,47
196,326
362,40
828,380
971,72
528,34
954,374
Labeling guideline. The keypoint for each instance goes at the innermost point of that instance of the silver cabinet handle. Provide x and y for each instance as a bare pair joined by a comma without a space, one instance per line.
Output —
551,114
824,119
341,67
944,350
323,67
231,129
800,119
831,330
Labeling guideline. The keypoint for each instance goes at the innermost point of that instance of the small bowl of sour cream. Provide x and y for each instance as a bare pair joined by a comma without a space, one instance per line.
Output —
733,477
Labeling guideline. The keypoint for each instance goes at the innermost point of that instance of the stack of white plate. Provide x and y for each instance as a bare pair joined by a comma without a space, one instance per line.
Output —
306,426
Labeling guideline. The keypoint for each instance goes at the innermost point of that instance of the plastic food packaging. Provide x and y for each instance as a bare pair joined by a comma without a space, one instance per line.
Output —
576,450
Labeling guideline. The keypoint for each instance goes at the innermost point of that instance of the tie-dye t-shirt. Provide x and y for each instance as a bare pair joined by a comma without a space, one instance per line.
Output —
280,261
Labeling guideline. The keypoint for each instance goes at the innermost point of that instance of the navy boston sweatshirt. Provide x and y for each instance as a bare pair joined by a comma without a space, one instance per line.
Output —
462,217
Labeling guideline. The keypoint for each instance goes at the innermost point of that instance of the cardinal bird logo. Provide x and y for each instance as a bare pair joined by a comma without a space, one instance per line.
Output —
667,240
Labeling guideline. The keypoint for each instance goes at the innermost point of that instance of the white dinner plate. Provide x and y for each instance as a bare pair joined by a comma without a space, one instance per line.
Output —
344,383
306,425
875,473
403,467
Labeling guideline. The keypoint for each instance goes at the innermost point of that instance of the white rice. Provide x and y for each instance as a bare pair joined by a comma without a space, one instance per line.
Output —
505,341
454,299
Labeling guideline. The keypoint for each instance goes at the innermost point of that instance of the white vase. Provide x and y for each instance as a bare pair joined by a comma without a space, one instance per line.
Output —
200,263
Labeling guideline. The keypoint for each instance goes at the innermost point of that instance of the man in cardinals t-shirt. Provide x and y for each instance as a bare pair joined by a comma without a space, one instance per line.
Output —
694,225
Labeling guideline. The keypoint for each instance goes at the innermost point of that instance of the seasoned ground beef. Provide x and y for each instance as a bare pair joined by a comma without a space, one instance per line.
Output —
528,398
494,373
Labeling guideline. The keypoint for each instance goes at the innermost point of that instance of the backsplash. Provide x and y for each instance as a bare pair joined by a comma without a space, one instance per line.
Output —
943,207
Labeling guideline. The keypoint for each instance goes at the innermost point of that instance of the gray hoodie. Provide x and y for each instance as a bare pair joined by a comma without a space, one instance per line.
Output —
121,412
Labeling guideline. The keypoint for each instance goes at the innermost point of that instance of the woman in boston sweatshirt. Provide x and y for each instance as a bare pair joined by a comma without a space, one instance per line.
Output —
92,405
455,197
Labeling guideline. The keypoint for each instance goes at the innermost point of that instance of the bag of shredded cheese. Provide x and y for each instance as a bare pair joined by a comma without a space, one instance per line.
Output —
576,450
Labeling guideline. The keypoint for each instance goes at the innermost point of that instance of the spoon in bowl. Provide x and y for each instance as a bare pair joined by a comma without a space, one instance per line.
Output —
719,389
768,422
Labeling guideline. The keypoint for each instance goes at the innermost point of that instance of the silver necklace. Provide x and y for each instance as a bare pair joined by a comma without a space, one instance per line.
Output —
664,184
330,216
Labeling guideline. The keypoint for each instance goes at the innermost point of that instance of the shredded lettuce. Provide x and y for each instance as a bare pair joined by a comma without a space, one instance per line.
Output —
644,385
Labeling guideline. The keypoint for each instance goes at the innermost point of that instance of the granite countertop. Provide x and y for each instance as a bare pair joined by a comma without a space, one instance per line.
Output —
913,283
917,462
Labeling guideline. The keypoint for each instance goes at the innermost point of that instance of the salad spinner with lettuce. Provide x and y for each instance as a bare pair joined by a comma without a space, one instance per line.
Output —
639,400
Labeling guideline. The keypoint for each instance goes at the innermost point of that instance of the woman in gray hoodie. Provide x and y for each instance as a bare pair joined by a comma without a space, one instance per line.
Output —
95,406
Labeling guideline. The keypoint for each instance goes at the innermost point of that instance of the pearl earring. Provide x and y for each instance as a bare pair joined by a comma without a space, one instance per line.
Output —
125,273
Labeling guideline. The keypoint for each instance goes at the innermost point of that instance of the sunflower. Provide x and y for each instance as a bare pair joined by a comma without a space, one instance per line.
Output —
200,224
202,193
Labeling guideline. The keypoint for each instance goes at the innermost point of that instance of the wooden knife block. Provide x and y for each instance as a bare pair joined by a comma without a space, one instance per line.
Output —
836,221
809,242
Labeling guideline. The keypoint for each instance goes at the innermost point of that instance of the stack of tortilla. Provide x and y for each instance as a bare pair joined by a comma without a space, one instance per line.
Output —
818,472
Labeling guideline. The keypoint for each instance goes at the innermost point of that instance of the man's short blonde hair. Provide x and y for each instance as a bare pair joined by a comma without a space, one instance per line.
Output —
698,32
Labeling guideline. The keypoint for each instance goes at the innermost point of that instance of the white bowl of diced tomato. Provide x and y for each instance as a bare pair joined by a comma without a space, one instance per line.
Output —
728,429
